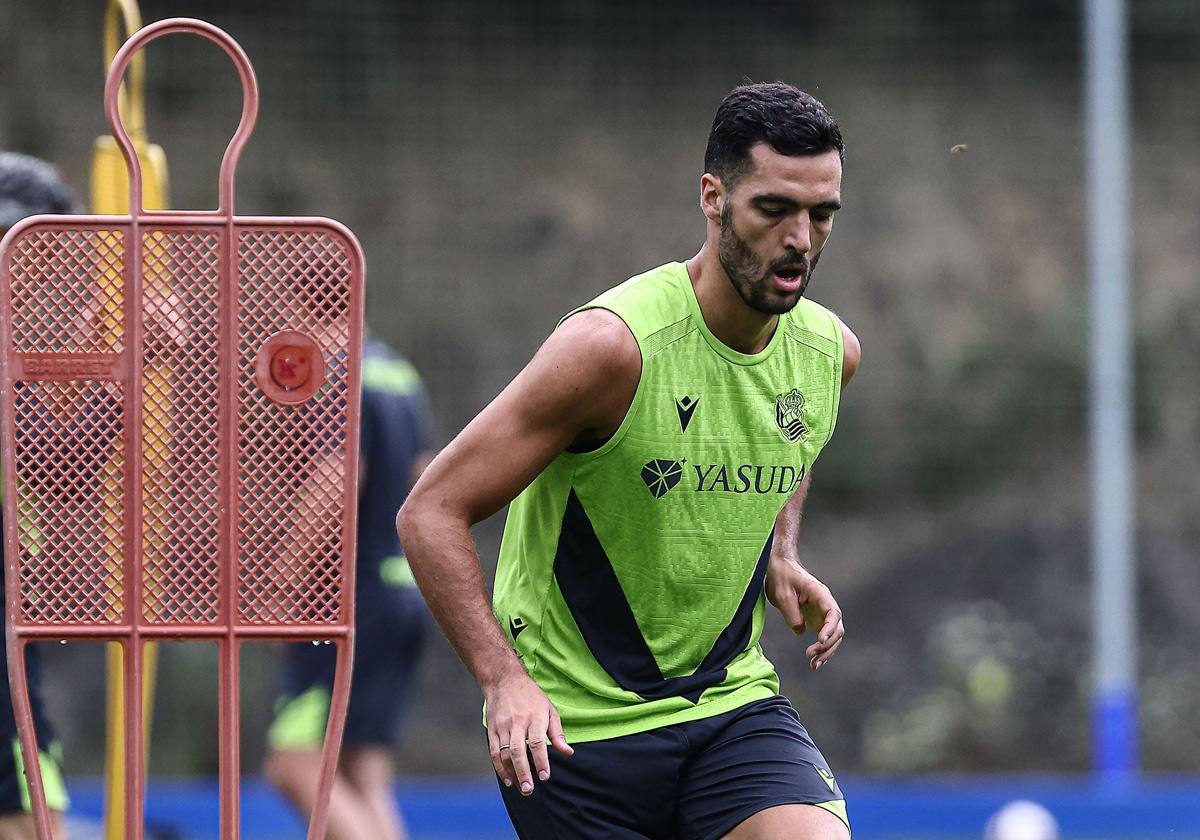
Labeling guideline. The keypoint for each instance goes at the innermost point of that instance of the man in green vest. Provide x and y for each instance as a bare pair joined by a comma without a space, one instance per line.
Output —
657,451
29,186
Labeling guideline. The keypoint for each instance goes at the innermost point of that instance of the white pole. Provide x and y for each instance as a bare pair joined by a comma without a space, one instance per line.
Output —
1114,614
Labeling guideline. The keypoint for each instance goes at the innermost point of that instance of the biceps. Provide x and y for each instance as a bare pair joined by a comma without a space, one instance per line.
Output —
494,458
573,385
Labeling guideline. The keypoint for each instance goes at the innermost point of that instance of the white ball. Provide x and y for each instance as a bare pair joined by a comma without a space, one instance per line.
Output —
1022,820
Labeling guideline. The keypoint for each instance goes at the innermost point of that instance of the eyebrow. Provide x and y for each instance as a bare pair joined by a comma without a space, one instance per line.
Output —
788,201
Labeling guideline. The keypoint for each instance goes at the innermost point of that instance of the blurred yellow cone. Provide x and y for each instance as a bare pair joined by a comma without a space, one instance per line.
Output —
110,196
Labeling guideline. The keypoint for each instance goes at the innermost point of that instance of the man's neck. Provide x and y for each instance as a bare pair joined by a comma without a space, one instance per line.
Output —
729,318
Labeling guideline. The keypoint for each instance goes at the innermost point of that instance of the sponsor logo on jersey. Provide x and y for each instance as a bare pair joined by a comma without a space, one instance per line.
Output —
789,416
685,407
747,478
517,625
661,475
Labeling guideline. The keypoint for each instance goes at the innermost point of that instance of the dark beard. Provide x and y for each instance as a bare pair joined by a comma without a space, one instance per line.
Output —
750,279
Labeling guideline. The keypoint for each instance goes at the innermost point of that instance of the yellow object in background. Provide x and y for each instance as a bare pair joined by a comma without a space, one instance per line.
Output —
110,181
110,196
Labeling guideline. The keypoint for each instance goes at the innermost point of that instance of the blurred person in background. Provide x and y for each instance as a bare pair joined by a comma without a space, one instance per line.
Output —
29,186
657,453
390,624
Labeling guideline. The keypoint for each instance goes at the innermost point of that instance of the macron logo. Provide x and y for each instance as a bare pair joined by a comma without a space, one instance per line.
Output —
685,407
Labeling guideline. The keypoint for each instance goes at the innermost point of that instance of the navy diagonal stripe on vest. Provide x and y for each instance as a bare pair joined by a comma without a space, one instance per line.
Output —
593,594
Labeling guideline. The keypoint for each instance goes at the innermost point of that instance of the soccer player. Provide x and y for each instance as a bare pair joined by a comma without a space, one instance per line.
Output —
390,625
29,186
657,451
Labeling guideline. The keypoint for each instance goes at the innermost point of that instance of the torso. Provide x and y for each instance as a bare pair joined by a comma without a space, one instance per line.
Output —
630,577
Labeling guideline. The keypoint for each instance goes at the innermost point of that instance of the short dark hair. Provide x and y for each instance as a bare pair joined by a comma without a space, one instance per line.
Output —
29,186
790,121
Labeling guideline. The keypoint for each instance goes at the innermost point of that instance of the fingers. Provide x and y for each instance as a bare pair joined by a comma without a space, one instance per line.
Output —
499,752
832,628
820,657
793,615
555,731
789,607
526,754
541,761
828,640
518,757
518,740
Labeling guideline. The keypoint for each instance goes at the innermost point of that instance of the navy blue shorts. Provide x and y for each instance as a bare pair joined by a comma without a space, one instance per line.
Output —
389,638
690,781
14,795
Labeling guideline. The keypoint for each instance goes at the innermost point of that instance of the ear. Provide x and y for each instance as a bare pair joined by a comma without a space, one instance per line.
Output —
712,196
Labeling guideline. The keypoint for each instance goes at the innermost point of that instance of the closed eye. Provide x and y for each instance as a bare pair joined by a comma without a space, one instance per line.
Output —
824,211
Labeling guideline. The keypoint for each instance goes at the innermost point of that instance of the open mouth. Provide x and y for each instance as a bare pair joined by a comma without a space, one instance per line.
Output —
790,277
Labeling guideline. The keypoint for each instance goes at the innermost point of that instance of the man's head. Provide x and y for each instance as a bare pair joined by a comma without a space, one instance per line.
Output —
29,186
772,182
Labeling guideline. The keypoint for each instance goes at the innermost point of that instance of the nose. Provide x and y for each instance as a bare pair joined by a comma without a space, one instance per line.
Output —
799,234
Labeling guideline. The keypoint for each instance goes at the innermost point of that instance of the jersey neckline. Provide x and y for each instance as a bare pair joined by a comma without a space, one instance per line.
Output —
722,349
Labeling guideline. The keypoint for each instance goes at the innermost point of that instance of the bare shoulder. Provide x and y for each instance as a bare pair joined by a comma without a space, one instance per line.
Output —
595,363
852,353
599,337
575,390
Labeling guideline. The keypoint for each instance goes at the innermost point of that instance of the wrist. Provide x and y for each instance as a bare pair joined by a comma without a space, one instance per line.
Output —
500,669
781,559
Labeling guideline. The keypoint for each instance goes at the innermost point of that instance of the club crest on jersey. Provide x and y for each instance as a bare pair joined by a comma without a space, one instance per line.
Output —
789,416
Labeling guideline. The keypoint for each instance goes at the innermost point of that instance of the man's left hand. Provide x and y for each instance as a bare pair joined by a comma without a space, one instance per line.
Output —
806,603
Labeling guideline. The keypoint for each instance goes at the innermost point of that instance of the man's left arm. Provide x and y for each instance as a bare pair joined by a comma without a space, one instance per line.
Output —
804,601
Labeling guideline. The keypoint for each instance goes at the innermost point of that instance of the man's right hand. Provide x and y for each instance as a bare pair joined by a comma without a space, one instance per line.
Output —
579,385
520,719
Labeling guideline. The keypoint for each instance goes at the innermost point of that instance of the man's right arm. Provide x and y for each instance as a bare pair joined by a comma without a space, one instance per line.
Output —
578,386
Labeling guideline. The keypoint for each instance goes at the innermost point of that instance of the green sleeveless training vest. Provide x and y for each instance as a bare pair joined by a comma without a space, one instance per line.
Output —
630,578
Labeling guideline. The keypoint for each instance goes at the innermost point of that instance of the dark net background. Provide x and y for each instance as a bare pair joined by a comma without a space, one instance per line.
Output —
505,162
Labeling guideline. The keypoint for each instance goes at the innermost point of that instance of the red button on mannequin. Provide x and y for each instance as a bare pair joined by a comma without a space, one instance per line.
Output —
289,367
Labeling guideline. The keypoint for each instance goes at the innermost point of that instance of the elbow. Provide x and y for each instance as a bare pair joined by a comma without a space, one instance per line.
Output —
406,522
414,521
